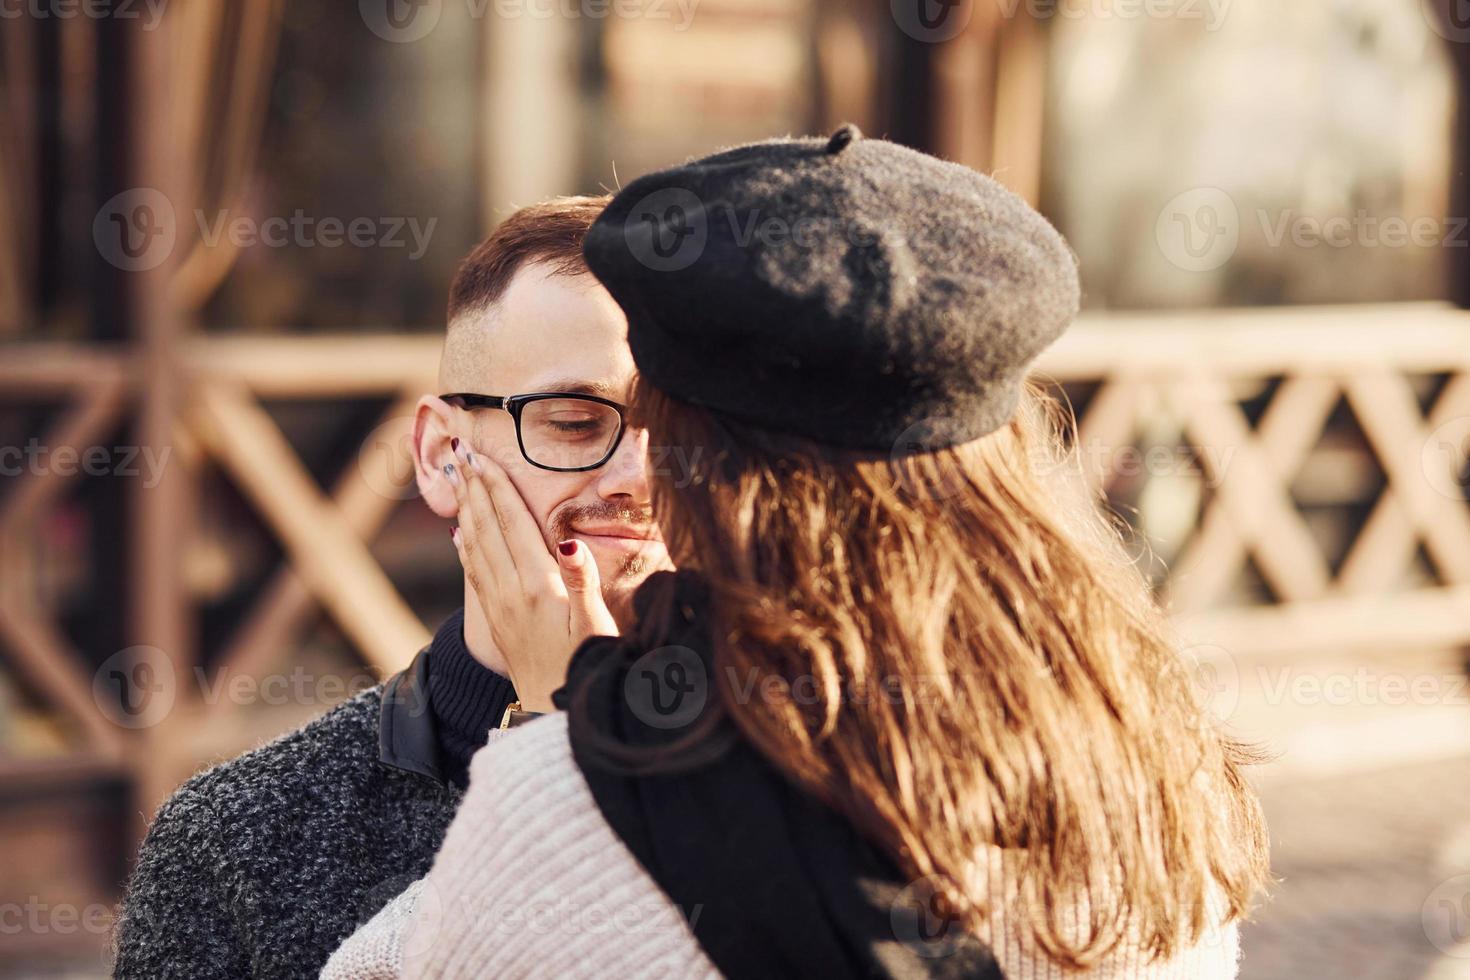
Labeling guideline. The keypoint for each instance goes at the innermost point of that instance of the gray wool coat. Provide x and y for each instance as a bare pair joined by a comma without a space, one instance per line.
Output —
260,867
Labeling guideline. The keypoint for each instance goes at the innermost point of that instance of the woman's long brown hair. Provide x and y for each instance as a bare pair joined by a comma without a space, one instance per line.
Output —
950,649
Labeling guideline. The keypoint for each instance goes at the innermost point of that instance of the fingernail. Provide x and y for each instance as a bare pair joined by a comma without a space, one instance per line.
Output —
568,547
450,475
474,462
454,534
454,443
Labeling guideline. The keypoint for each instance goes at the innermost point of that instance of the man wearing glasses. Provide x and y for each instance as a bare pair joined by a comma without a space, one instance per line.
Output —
262,866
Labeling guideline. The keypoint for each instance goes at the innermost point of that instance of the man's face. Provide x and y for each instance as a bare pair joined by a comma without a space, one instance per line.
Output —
565,333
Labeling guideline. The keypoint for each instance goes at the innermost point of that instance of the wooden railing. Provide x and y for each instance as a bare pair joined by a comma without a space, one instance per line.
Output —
1188,368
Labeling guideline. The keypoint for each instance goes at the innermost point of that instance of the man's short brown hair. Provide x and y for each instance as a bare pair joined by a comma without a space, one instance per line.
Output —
550,232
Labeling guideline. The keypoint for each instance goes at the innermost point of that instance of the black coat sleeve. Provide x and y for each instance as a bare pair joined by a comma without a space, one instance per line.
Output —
175,920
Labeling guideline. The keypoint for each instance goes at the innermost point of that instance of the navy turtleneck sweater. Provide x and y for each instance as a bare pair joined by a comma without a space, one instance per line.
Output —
467,698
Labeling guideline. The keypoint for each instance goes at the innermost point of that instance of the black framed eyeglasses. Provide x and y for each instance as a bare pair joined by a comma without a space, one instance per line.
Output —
556,430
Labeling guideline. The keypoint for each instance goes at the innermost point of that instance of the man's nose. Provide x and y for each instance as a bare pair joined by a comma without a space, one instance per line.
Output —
626,473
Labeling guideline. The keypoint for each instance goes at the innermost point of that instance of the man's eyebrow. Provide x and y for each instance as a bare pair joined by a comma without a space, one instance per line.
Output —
576,386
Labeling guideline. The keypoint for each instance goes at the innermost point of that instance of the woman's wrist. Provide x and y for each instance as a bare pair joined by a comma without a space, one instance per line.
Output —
540,704
518,714
533,693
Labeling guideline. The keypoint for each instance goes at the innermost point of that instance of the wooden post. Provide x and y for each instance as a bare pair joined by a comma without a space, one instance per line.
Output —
158,599
1454,27
529,112
967,84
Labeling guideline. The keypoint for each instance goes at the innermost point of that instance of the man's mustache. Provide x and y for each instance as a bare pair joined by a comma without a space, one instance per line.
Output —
606,513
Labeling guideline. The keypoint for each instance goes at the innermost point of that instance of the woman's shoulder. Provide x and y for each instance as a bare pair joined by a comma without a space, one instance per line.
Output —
1213,955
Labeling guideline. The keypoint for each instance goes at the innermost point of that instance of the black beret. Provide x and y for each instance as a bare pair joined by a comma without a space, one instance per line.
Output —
850,290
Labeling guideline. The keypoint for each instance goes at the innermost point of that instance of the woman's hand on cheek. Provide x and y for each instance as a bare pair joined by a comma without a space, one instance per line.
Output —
540,607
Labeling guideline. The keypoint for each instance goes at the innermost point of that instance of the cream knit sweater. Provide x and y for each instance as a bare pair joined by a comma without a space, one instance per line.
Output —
532,882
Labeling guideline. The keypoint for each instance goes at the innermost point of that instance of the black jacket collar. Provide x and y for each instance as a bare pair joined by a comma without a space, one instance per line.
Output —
438,712
408,736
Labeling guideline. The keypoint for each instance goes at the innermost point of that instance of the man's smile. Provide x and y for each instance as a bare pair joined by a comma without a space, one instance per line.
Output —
622,537
640,533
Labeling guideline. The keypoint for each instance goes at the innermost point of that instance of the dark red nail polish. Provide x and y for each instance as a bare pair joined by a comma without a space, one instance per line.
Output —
454,444
568,548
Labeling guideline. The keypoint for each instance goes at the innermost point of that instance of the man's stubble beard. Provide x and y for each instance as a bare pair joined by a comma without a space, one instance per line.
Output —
618,591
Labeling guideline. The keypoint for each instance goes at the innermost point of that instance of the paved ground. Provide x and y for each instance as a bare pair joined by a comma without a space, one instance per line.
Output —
1369,864
1368,802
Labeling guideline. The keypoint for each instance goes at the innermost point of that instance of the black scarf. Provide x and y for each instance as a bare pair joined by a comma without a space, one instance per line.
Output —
773,883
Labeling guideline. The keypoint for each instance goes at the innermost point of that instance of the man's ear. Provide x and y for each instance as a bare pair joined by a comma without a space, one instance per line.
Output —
433,423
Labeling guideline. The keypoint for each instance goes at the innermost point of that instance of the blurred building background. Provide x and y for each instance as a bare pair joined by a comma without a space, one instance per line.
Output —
226,236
